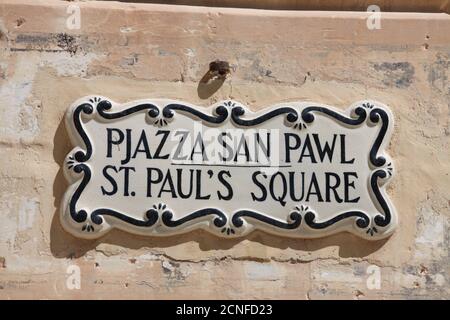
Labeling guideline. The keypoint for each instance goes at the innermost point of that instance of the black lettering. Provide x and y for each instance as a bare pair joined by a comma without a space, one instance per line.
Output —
246,153
282,196
198,194
292,186
329,187
128,155
110,179
289,147
180,183
165,134
151,181
145,148
348,184
264,148
307,147
314,184
226,184
183,139
261,186
226,146
199,141
126,178
327,150
111,141
343,160
169,181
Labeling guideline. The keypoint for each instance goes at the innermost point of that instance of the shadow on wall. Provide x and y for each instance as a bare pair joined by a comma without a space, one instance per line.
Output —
213,79
206,88
64,245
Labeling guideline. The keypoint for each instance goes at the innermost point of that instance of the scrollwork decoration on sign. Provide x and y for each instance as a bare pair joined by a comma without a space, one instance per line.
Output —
160,219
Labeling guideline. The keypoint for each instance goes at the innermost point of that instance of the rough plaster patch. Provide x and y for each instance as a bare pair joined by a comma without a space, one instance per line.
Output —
413,283
147,257
398,74
4,34
20,263
28,208
18,215
8,227
129,60
430,228
16,120
113,264
439,279
438,73
127,29
176,271
167,266
189,52
109,250
430,238
338,273
262,271
67,65
19,119
3,67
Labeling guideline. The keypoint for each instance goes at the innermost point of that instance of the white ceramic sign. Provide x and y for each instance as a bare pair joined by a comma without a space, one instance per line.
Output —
161,167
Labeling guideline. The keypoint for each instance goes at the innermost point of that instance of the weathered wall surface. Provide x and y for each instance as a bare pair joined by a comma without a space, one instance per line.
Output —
126,52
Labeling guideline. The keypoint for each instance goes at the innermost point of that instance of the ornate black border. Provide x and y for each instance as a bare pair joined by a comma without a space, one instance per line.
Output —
160,213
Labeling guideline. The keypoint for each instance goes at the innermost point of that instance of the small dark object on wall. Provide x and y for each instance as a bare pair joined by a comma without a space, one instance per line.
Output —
214,78
219,69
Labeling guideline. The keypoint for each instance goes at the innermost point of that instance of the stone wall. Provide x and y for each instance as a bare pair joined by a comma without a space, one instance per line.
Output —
130,51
